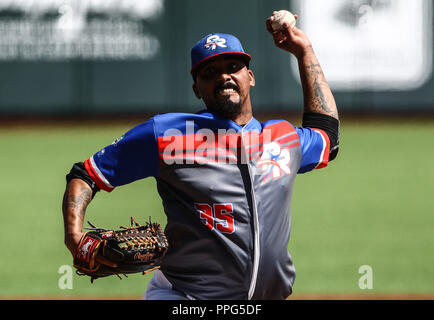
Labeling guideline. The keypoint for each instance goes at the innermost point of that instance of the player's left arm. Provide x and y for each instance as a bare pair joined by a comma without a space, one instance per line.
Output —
320,110
129,158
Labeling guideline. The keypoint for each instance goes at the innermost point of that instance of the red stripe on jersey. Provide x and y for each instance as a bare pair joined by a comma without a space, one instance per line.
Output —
326,150
280,129
225,145
198,141
93,174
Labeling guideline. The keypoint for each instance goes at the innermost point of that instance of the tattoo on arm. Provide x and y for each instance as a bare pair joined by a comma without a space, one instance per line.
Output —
77,202
319,99
314,69
317,92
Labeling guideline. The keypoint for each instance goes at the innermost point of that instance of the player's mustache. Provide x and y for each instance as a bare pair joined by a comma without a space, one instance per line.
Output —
227,85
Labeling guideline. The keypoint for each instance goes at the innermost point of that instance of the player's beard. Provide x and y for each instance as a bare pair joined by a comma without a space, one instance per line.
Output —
227,106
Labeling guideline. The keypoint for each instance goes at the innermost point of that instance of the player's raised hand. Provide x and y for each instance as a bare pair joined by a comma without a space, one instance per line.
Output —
289,38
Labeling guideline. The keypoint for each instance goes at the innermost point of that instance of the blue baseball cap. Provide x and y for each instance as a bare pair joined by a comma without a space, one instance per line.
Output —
213,45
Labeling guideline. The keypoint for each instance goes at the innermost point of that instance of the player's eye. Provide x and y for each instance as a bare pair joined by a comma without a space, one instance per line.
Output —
234,66
210,70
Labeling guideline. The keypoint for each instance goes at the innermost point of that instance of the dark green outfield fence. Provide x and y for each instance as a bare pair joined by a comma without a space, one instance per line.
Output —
159,80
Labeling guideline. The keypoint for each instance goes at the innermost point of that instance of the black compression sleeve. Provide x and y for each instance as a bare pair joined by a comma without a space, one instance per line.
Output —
326,123
79,172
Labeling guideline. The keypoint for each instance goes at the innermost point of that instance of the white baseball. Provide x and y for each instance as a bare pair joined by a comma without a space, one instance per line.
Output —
281,16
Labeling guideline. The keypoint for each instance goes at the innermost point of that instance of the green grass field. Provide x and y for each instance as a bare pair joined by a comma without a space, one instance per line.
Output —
372,206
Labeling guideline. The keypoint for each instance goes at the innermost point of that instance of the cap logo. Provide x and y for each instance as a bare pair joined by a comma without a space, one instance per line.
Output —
214,41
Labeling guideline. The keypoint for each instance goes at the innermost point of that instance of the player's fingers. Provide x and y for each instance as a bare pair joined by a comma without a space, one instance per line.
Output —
105,261
279,41
268,24
287,30
282,34
291,32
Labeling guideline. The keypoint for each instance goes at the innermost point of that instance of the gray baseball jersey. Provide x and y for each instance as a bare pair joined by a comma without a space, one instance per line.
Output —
226,191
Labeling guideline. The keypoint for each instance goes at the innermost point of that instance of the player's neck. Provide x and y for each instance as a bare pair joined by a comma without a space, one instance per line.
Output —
245,115
243,118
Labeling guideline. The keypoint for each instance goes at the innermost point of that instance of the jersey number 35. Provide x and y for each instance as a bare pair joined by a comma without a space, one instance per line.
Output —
218,216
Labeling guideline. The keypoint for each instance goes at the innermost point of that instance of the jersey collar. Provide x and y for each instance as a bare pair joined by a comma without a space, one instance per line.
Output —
252,125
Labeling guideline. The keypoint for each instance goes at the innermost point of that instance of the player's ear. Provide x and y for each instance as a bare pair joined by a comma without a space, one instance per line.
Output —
196,91
252,78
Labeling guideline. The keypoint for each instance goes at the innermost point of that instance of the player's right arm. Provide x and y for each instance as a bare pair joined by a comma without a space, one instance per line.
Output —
318,97
319,134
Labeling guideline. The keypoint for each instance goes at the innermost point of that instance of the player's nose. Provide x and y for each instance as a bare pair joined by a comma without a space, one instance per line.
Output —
223,77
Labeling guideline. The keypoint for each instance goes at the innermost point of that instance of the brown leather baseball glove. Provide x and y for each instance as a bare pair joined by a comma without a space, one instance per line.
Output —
134,249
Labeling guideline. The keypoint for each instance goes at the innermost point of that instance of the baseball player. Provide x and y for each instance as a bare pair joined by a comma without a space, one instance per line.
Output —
225,178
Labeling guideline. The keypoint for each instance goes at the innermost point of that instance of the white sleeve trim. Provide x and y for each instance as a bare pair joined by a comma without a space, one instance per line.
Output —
324,146
99,173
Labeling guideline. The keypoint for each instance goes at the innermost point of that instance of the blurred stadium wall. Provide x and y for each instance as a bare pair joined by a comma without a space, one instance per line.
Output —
75,57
